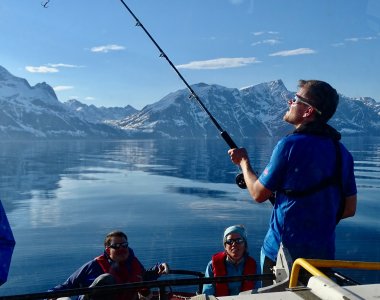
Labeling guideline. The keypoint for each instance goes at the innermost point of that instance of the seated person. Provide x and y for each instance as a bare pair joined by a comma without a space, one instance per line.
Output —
233,261
118,264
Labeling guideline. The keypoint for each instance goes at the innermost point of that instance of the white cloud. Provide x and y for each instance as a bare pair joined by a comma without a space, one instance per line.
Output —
337,44
60,65
352,40
41,69
107,48
299,51
49,68
268,42
370,38
60,88
89,98
356,39
219,63
257,33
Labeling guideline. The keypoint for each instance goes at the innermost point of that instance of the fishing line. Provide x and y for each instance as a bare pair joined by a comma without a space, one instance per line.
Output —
239,178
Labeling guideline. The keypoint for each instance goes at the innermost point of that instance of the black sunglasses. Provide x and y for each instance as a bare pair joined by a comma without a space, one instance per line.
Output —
237,241
119,245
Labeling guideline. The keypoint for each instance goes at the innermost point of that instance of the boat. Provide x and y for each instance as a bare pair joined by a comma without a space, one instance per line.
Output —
319,287
333,285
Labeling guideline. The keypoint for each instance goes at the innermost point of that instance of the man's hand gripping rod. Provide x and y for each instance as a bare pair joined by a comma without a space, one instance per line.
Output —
239,178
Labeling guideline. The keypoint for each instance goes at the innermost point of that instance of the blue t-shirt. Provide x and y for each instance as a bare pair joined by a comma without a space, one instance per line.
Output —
305,225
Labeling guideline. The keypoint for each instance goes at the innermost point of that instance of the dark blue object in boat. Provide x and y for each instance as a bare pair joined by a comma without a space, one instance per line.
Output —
7,244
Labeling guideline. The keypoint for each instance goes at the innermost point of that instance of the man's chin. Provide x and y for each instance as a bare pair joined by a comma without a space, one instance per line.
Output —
286,116
122,258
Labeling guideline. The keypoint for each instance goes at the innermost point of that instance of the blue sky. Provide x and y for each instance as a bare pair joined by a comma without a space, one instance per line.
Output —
92,51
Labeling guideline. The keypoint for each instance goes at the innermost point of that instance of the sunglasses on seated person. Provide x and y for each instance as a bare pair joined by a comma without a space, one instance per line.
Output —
237,241
118,245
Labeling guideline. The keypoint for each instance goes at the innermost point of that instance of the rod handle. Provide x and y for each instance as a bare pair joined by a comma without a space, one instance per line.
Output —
240,177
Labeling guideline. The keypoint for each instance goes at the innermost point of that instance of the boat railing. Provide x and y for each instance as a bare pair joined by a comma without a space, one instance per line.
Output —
158,284
311,266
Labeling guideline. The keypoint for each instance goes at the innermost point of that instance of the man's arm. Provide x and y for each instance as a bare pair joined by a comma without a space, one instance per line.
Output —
82,277
258,192
68,284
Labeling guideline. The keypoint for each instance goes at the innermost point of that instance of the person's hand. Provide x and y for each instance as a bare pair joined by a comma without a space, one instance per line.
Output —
145,295
237,154
163,268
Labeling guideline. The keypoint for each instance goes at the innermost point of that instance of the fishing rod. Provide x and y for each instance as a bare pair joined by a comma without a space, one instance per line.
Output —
239,178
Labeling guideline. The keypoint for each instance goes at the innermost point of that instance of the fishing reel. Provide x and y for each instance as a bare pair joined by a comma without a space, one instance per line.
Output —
239,179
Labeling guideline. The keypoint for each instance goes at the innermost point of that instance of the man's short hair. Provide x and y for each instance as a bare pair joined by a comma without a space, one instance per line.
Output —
107,240
322,96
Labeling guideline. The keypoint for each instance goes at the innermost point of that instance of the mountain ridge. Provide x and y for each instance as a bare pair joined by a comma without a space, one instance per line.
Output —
36,112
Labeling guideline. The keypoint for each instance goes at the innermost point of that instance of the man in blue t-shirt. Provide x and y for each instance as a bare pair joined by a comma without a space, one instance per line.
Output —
311,175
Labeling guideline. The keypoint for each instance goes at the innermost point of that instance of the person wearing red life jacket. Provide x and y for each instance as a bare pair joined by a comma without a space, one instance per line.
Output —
118,264
233,261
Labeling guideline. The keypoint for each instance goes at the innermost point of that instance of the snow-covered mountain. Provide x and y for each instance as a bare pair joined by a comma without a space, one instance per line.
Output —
35,112
257,110
94,114
246,112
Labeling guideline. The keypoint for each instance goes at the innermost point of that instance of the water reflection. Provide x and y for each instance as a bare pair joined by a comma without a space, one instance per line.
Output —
32,173
174,198
197,191
39,166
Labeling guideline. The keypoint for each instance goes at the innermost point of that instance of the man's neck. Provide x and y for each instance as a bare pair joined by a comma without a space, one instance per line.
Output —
304,122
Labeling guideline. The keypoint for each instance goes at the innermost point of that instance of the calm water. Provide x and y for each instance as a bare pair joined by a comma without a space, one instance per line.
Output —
172,198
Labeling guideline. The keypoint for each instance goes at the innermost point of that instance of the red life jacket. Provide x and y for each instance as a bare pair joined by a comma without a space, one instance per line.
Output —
219,269
132,272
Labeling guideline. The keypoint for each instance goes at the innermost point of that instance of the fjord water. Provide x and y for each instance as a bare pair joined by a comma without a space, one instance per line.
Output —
172,198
